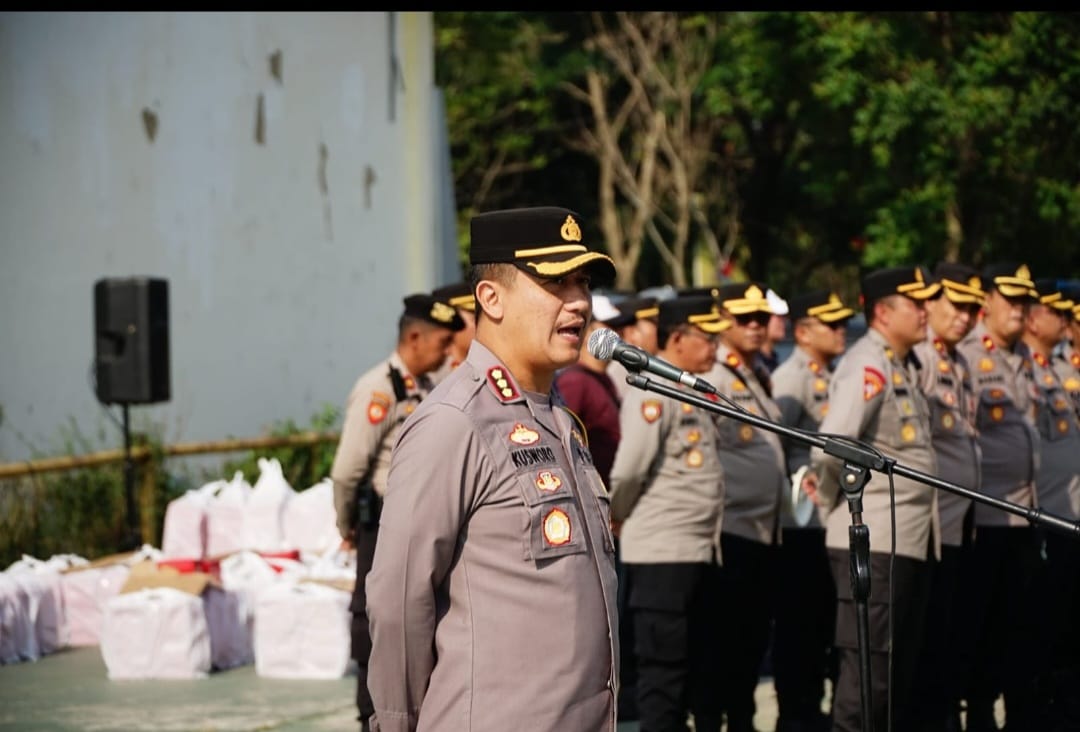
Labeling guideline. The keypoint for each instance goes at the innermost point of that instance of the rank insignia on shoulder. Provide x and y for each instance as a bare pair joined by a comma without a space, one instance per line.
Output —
547,481
733,360
378,407
410,382
522,435
939,345
814,367
651,410
873,383
988,342
557,527
501,383
1075,360
1040,359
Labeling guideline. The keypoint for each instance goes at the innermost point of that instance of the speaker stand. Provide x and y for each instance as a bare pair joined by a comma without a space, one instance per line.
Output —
134,532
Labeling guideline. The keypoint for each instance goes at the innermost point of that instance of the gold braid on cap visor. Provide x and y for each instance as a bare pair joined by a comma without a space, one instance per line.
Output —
710,322
961,292
561,267
831,311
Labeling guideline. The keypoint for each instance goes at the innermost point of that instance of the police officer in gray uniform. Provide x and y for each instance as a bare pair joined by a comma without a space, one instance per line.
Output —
1057,482
1004,556
379,402
492,593
944,377
667,502
874,398
806,594
638,328
1067,356
756,482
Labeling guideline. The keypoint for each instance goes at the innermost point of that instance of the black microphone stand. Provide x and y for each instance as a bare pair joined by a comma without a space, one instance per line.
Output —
858,461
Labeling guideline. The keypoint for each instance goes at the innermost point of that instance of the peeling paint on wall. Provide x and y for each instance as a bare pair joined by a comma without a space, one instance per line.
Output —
150,123
260,120
324,189
276,60
369,181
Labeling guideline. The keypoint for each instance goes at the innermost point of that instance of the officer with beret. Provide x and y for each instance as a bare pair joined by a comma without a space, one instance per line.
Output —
379,402
944,377
756,481
458,296
1004,556
806,594
667,504
636,326
1057,485
874,398
492,594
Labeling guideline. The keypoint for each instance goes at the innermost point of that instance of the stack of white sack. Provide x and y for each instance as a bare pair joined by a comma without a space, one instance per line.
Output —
31,610
86,587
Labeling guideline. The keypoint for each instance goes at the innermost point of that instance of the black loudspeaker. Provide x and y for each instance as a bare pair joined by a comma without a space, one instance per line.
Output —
131,340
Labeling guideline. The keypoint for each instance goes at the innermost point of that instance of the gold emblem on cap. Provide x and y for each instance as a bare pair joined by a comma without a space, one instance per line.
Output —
570,230
918,276
442,312
975,283
754,293
1023,273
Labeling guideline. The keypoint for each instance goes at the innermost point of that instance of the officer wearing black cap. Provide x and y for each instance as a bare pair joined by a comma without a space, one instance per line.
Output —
945,379
667,502
1057,486
806,594
636,326
874,398
997,584
379,402
755,480
1067,356
495,536
458,296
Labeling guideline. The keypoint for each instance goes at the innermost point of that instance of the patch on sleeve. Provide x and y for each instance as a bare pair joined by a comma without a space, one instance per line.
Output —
873,383
378,407
651,410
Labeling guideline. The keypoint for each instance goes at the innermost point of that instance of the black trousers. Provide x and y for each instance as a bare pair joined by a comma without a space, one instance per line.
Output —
911,589
998,656
1057,614
804,624
748,578
361,637
937,685
674,608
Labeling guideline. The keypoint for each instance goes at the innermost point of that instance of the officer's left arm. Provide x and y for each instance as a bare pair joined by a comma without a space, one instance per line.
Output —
640,419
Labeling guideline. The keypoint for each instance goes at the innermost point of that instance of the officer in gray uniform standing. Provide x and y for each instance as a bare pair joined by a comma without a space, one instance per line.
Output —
806,594
874,398
638,328
379,402
1004,555
492,594
667,503
755,479
944,377
1067,357
1057,482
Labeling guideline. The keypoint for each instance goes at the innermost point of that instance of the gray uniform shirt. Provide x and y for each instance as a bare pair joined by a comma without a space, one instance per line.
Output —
492,596
618,373
873,398
667,486
801,390
755,475
1004,422
946,381
373,414
1057,482
1067,367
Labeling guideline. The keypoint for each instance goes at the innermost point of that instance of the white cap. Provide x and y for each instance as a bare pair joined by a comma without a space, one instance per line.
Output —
602,308
776,303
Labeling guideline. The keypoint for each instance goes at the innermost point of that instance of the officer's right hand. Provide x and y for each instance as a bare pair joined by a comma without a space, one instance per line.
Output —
809,486
346,545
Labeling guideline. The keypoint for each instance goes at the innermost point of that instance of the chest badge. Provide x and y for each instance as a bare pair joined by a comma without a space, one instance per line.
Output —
986,364
651,410
547,481
997,414
820,385
948,421
943,367
557,527
522,435
907,433
694,458
746,433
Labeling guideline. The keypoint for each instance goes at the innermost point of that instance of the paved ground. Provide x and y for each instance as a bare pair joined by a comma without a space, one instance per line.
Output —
70,692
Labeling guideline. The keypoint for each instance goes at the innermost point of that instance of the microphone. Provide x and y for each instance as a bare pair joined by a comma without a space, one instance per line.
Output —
606,345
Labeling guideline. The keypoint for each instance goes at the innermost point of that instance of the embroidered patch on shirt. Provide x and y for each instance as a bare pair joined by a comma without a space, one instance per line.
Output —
378,407
651,410
746,433
947,421
522,435
694,458
907,433
986,364
556,527
873,383
820,385
499,381
997,414
547,481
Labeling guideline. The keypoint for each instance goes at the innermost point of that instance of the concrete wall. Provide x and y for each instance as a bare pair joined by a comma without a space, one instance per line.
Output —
270,166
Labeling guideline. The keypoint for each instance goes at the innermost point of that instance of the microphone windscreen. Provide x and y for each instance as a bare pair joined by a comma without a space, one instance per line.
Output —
602,343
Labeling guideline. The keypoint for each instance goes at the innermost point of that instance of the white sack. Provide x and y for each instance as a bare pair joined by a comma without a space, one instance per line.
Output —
225,517
157,633
310,520
302,632
266,506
